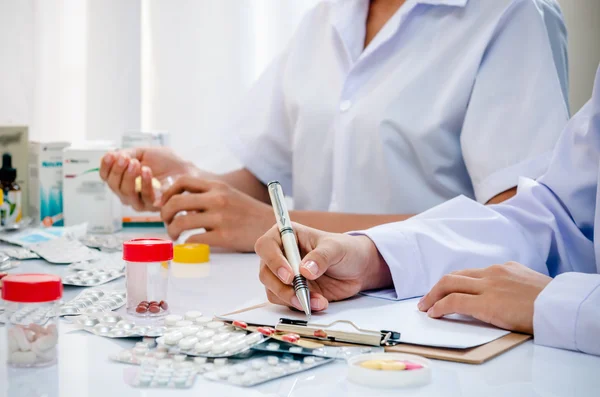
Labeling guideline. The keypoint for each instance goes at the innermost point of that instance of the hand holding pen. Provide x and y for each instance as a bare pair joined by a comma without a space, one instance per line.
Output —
336,267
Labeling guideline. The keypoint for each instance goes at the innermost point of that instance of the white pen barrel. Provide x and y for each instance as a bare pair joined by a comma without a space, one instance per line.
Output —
291,251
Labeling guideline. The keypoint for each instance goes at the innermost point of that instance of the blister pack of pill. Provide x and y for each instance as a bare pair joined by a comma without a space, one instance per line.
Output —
106,261
6,263
164,377
112,325
91,278
257,370
64,250
92,301
213,339
28,315
19,253
108,243
337,352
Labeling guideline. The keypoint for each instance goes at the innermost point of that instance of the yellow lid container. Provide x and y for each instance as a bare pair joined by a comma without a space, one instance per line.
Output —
191,253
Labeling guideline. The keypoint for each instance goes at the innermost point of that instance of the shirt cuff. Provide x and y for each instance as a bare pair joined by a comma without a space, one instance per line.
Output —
507,178
401,254
556,310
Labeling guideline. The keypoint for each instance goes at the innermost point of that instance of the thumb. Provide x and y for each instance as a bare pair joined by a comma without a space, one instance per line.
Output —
328,252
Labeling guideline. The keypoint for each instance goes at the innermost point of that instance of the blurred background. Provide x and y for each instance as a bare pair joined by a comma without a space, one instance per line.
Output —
83,69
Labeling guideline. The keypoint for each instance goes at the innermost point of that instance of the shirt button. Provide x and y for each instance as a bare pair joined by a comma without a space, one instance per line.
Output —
345,105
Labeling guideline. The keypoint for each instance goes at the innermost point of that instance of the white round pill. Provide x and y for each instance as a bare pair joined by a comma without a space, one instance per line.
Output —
272,360
187,331
258,364
192,315
226,328
263,373
215,324
295,364
200,360
253,338
249,378
188,342
203,320
309,360
220,362
237,335
160,355
295,349
219,347
273,346
225,372
208,367
237,345
172,319
278,370
125,355
178,358
172,338
206,334
203,346
183,323
221,337
212,375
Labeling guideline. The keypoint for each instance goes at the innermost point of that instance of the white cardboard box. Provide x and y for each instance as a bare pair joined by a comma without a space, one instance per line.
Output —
86,197
46,182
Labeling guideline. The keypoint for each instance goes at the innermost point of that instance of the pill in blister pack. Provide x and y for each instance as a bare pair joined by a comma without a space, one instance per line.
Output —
19,253
258,370
337,352
91,278
214,339
108,243
112,325
93,300
153,375
63,250
29,315
106,261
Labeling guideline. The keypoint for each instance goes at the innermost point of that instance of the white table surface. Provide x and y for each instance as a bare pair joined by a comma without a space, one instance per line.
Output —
231,281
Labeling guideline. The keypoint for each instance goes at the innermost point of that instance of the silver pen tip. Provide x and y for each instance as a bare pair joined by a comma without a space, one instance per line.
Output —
303,295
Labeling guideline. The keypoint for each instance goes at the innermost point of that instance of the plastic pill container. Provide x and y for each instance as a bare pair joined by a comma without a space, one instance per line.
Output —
32,304
190,261
147,263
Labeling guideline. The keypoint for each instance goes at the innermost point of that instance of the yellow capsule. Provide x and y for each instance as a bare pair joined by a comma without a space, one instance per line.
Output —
372,364
138,184
393,366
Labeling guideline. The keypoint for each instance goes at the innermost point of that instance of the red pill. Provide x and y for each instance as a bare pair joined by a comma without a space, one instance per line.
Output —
154,309
163,305
141,309
153,303
240,324
144,303
266,331
320,334
292,338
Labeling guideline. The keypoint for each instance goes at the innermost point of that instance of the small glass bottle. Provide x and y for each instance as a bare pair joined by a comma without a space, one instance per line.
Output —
11,211
147,276
32,303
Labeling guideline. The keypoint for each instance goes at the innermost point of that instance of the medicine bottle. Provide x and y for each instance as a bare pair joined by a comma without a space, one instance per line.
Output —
147,263
12,210
31,306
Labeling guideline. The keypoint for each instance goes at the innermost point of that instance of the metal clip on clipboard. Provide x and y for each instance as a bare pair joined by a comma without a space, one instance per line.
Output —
325,332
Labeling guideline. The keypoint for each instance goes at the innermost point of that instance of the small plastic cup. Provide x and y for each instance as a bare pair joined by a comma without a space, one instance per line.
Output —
190,260
32,303
147,263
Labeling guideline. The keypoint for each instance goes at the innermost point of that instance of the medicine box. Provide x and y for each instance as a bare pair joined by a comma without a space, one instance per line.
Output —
46,182
15,140
142,139
87,199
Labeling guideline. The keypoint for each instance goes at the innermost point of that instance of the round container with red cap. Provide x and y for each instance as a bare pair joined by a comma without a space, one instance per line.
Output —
147,275
32,303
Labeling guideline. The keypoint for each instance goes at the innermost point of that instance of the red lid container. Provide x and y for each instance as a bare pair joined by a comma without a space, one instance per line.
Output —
147,250
31,288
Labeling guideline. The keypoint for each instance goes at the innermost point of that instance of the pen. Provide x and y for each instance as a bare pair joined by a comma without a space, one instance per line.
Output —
290,246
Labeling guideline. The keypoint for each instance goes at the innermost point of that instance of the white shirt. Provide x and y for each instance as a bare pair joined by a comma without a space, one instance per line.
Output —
552,226
451,97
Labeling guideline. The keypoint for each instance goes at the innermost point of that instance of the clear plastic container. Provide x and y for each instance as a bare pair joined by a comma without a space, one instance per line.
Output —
147,276
31,309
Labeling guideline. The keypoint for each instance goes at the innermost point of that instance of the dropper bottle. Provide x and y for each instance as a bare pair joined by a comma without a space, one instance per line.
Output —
11,211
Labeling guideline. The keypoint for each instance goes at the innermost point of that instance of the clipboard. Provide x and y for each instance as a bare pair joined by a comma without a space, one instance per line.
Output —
391,340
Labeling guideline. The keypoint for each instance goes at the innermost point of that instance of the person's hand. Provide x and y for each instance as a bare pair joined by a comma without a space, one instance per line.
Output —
120,169
232,219
502,295
337,266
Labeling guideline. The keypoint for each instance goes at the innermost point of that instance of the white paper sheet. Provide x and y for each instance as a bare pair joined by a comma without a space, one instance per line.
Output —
457,332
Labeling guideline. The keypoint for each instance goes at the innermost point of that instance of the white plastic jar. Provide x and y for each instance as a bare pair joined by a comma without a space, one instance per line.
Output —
147,276
32,303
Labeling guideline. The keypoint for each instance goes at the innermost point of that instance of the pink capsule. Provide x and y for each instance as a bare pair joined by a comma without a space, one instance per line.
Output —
320,334
411,366
266,331
240,324
292,338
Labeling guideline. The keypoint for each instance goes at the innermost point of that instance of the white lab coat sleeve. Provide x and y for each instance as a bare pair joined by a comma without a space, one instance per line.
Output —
517,109
260,136
548,226
567,313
